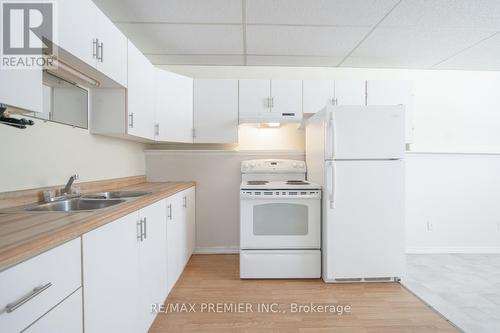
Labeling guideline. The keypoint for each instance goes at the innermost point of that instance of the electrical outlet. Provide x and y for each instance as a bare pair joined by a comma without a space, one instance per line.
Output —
430,226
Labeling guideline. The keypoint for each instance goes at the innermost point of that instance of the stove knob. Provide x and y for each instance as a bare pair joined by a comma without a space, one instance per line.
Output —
295,165
245,166
252,165
302,165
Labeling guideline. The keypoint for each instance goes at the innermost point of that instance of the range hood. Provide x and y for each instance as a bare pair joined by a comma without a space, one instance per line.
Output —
270,117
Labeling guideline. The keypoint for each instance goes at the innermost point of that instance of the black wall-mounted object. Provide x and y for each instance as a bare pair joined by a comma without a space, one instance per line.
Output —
18,123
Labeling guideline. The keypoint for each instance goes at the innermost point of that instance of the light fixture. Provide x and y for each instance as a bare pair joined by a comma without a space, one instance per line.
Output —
62,69
270,125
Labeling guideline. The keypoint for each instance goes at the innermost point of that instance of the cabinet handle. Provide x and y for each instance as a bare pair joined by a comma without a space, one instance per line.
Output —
145,222
131,120
95,42
35,292
157,129
170,211
272,102
140,231
101,47
184,201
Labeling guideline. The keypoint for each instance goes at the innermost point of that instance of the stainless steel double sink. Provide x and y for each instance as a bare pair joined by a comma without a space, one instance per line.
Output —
88,202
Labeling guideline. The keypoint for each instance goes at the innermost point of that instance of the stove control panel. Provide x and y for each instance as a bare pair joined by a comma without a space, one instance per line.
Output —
273,166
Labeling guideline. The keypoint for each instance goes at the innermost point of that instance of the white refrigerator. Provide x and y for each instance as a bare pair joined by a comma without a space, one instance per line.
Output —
357,154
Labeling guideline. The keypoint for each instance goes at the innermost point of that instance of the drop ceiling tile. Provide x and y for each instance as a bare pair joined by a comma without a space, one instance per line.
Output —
185,38
483,56
433,46
437,14
198,59
312,41
308,61
173,11
388,62
317,12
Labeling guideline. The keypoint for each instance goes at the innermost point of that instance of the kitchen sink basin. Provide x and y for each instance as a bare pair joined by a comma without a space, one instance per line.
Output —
75,204
116,194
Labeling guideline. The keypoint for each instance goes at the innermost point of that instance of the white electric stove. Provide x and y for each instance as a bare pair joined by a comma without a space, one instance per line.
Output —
280,221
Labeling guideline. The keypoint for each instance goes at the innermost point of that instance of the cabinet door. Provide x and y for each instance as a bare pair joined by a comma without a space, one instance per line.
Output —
350,92
65,317
140,94
110,276
112,51
254,98
176,239
152,262
21,89
190,205
317,94
286,97
173,107
76,28
393,92
216,111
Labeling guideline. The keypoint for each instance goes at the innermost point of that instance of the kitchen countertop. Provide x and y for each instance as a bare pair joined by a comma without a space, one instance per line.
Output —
25,234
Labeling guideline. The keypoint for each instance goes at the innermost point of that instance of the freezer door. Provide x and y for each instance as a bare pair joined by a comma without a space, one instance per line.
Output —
363,220
365,132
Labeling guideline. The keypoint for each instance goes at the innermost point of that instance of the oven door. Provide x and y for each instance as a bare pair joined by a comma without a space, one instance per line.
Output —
280,219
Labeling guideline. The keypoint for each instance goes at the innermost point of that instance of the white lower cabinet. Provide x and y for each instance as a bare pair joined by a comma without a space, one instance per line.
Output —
110,276
34,287
152,262
128,264
65,317
181,233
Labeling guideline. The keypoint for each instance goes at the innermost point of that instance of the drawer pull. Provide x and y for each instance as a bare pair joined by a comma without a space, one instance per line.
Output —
38,290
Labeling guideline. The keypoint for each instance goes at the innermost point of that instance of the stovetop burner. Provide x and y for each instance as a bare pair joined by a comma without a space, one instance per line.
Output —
296,182
257,182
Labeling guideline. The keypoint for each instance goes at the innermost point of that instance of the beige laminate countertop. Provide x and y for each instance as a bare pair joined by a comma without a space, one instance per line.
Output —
25,234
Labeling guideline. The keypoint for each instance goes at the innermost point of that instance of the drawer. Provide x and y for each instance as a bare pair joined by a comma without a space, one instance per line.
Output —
65,317
57,274
280,264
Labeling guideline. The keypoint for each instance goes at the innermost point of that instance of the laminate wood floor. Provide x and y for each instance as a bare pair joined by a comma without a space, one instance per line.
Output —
465,288
214,279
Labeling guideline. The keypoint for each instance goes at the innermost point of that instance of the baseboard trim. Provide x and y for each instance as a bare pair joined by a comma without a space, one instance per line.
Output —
453,249
217,250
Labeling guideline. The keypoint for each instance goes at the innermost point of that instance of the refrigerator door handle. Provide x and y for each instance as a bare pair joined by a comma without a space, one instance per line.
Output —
330,183
330,137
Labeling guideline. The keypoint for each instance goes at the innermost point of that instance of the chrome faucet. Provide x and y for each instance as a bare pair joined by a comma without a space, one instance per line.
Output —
67,188
64,193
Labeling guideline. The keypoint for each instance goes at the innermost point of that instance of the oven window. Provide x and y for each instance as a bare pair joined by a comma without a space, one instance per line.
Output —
280,219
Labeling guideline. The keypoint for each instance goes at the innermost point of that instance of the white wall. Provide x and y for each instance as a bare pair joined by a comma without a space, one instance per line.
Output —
217,176
459,196
455,111
48,153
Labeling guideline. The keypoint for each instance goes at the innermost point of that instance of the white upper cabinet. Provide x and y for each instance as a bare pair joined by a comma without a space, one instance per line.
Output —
86,33
173,107
140,95
215,111
254,98
286,98
76,29
270,100
21,89
350,92
393,92
317,94
111,49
